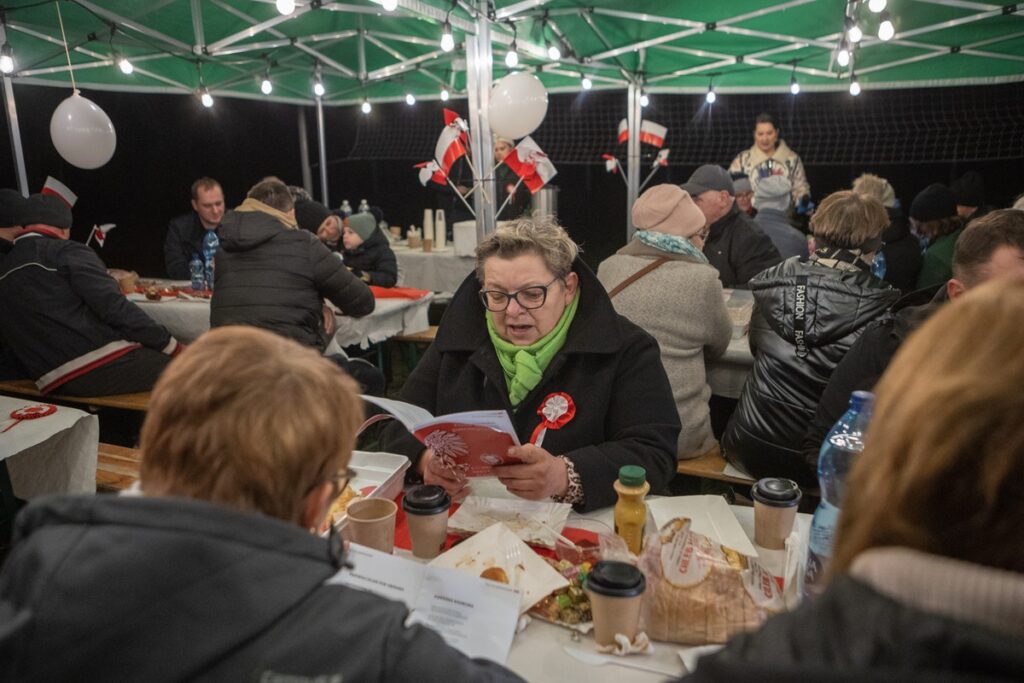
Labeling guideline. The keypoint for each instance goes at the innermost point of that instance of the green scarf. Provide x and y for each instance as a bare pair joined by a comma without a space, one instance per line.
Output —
525,365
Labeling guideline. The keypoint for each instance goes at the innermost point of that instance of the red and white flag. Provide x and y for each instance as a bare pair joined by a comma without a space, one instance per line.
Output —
652,133
429,170
623,131
54,187
452,143
661,159
99,232
531,164
611,164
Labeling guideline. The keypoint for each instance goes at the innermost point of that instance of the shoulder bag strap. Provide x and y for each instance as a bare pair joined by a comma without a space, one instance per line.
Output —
636,276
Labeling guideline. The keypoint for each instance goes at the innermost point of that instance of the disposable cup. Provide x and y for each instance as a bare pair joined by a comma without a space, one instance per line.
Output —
371,522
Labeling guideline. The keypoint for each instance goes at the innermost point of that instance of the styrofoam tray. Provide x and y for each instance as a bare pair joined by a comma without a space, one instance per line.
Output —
384,472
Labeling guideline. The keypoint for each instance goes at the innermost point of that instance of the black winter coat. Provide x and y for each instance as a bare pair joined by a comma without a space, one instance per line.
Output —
374,259
738,249
854,633
271,277
625,413
107,588
184,240
765,435
902,253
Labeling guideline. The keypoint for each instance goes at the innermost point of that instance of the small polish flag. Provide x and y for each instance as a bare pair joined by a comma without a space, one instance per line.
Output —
623,131
652,133
661,159
451,144
611,164
429,170
54,187
99,232
531,164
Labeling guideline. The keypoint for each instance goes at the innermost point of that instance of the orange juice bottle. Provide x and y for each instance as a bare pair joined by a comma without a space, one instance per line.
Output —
631,510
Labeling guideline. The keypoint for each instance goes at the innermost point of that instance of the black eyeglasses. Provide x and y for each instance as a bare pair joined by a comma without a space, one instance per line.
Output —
527,297
341,478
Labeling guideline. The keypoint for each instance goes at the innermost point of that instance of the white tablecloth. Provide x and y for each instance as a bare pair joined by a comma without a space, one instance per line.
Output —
186,320
537,653
51,454
439,270
727,373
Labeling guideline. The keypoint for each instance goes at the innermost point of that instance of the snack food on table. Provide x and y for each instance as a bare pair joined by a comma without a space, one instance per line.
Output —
568,606
494,574
339,507
152,293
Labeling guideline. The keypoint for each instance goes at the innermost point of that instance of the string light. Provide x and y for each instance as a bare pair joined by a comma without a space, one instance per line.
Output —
843,56
854,86
853,32
512,57
389,5
885,29
447,39
285,7
6,58
710,97
365,107
266,87
123,64
554,54
410,99
644,99
205,97
586,83
877,6
318,83
445,94
794,85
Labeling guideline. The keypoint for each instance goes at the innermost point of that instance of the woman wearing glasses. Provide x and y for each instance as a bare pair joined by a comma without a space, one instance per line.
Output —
532,331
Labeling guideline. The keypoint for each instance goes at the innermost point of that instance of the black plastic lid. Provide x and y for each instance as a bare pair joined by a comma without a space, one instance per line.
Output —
776,492
426,499
616,579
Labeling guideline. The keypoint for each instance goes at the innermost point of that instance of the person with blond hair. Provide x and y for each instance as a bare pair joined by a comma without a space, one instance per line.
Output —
807,314
213,572
532,331
927,575
901,250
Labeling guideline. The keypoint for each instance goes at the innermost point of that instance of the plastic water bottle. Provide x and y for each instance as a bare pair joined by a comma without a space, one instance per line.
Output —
346,208
878,267
210,244
364,206
841,447
198,273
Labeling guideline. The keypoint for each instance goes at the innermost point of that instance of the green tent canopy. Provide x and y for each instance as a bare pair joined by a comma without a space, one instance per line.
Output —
362,51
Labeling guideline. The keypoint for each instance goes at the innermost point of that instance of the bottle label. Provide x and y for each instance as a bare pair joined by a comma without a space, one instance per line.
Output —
814,573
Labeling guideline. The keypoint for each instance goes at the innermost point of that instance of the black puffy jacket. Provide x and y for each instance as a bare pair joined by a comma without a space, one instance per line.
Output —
779,399
271,277
738,249
902,253
374,259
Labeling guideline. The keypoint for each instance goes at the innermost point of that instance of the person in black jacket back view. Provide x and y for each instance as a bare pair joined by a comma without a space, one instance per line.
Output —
215,572
807,314
901,248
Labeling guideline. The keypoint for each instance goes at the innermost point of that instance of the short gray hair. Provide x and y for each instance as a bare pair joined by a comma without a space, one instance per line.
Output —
540,235
272,192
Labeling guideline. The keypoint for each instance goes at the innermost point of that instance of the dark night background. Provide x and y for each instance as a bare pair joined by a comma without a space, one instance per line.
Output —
164,142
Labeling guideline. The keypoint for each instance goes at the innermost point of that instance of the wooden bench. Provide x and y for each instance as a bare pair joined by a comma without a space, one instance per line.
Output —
26,387
117,468
711,465
424,337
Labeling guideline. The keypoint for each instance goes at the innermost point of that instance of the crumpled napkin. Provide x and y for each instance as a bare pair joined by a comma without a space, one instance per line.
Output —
622,647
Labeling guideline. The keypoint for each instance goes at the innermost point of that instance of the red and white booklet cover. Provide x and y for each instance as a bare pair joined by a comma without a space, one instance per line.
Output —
472,442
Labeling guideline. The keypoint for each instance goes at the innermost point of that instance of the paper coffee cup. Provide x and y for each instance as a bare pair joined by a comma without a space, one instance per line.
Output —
775,505
615,590
371,522
428,244
426,513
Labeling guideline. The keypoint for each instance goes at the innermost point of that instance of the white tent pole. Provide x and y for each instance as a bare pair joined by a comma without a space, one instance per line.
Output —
632,153
478,85
322,142
13,128
307,174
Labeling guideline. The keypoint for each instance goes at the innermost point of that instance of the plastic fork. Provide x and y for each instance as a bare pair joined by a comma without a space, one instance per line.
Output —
514,560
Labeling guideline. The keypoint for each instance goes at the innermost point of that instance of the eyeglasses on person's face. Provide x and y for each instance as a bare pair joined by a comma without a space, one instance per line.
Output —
340,479
528,298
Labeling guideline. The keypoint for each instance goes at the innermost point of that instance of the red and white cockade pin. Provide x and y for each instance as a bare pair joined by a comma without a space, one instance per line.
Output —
555,411
31,412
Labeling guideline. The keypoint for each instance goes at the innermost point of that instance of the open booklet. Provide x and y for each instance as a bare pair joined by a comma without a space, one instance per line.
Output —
472,442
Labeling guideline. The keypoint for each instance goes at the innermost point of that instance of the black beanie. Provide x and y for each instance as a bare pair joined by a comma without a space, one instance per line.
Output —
47,210
933,203
12,208
310,214
969,189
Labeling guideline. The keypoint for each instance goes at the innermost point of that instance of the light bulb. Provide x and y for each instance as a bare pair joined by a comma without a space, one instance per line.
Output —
511,58
365,106
855,34
554,54
318,88
711,96
266,86
644,99
794,86
389,5
285,6
843,57
587,83
445,94
410,99
124,65
885,29
854,86
7,58
877,6
447,40
206,97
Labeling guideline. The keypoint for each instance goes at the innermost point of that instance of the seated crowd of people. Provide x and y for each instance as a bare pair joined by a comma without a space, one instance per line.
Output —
926,573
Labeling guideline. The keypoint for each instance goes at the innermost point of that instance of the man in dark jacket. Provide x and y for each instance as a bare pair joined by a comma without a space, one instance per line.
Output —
272,275
185,233
367,252
772,199
66,321
991,247
212,574
735,246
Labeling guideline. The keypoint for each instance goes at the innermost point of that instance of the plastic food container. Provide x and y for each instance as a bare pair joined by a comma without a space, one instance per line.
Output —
378,475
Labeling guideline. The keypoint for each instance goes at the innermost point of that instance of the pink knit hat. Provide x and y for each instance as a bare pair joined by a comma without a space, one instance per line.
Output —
669,209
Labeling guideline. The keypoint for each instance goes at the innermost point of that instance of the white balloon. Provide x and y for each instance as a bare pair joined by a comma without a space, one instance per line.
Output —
519,103
82,133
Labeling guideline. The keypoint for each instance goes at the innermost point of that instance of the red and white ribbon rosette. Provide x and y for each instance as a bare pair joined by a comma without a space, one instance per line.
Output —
555,411
31,412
